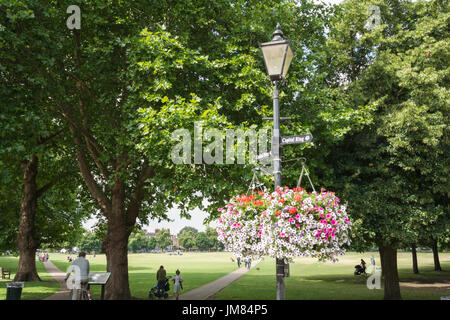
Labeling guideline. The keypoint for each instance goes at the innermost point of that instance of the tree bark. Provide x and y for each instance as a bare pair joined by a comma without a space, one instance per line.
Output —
115,246
26,241
389,265
437,264
414,259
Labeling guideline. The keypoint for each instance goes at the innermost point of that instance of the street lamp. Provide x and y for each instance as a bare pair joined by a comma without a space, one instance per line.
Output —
278,56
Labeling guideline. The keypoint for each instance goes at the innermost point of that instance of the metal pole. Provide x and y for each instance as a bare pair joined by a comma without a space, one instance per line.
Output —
280,265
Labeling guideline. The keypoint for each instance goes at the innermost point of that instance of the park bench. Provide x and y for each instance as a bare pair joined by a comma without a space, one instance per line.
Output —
5,273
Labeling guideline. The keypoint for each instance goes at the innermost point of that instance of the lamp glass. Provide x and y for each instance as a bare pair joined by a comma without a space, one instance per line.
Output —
287,62
274,54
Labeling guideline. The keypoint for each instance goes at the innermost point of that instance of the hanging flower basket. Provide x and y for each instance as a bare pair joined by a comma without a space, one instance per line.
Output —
285,224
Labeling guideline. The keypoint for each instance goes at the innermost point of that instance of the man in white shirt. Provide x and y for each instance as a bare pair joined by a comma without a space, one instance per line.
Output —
81,274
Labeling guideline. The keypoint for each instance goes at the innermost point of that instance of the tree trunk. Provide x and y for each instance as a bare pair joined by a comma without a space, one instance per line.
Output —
391,281
414,258
437,264
26,241
115,246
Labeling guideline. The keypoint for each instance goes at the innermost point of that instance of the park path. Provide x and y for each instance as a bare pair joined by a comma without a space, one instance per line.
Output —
59,276
209,289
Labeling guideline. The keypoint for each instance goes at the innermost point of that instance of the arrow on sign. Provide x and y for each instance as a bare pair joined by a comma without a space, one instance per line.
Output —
296,139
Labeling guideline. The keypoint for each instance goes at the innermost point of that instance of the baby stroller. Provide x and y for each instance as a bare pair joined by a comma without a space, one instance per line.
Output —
359,270
155,292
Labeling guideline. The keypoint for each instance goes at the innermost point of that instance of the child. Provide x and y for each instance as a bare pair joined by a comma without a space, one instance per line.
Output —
177,280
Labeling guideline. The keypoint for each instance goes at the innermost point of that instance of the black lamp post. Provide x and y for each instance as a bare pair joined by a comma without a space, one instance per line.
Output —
278,56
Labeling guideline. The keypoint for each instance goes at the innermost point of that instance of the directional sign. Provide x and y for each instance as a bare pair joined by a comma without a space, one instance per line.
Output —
263,155
296,139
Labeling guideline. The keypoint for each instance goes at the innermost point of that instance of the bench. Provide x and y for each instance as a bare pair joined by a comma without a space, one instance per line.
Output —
5,273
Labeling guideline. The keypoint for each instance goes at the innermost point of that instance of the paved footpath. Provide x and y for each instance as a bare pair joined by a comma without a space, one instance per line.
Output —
209,289
59,276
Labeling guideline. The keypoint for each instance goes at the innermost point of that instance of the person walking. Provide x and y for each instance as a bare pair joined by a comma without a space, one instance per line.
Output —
161,277
178,284
239,262
80,267
363,265
249,263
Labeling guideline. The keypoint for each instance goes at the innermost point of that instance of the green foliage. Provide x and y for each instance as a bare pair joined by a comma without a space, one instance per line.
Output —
393,171
90,242
163,238
138,241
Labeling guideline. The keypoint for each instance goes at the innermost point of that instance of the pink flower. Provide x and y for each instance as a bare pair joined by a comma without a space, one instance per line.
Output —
297,225
328,216
333,222
321,215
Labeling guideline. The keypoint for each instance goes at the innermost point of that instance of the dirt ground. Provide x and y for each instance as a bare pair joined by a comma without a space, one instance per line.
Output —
437,285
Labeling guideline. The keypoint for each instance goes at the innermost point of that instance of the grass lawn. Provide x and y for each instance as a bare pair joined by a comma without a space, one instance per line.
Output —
196,269
310,280
32,290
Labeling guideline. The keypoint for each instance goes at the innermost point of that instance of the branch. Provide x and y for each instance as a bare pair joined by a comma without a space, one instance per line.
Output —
134,207
47,186
41,140
93,146
99,196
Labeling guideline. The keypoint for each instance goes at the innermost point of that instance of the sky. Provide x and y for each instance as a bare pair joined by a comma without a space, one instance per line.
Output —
197,215
196,221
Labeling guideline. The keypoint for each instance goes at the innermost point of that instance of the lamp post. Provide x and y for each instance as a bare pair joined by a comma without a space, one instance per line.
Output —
277,56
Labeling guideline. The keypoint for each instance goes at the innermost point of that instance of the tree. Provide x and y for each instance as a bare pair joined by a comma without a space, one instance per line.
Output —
163,238
90,242
186,237
152,243
202,241
190,230
391,170
138,241
134,73
212,238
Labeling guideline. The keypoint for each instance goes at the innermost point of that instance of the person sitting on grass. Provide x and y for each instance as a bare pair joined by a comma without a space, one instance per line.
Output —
178,283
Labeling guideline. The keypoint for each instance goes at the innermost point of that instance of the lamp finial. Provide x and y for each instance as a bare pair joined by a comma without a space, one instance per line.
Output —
278,34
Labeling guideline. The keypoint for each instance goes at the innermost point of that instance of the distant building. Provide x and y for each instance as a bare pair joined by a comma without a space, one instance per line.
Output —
175,242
